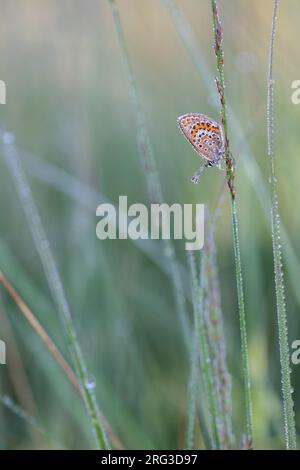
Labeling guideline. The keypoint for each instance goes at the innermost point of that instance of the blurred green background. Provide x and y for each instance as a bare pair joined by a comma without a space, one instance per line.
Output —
68,106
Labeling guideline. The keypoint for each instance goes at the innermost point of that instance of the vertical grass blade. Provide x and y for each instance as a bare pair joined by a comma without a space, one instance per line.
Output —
216,337
288,405
188,38
55,284
243,326
205,360
230,174
192,393
150,170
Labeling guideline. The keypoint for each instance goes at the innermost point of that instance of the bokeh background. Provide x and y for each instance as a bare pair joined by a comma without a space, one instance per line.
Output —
68,107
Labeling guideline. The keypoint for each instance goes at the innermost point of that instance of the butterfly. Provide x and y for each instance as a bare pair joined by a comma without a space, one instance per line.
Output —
207,138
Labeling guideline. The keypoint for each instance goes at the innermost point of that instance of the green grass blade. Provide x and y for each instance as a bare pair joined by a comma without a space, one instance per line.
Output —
230,173
42,245
254,173
288,404
192,394
216,336
151,174
205,359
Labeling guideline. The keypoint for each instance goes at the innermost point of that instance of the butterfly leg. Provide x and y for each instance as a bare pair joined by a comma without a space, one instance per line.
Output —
195,178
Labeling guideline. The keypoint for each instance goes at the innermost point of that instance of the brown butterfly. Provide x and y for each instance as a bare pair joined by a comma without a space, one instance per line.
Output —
206,136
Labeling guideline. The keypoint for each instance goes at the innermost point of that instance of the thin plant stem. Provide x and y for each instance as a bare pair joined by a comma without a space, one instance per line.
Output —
55,353
17,373
205,360
29,419
87,197
230,175
215,331
155,194
288,404
40,331
150,170
243,326
189,40
42,245
192,394
16,369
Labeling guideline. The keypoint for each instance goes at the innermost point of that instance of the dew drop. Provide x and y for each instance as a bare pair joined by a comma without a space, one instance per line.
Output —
91,383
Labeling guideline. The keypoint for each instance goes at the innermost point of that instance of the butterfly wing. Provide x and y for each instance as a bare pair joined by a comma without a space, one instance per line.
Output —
204,134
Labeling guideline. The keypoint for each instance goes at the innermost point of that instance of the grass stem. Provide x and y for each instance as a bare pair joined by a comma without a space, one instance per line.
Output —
216,337
230,175
288,404
205,360
148,164
42,245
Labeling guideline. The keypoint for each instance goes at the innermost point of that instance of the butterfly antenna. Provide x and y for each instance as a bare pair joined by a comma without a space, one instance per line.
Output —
195,178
